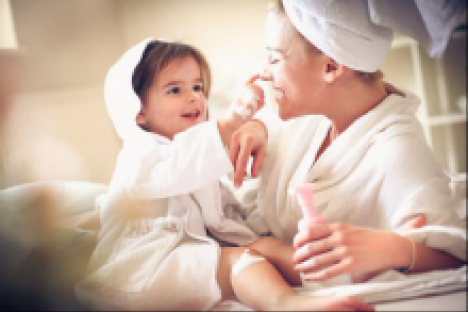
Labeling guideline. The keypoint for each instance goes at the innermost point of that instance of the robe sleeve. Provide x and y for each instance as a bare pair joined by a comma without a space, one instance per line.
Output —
415,183
240,204
190,161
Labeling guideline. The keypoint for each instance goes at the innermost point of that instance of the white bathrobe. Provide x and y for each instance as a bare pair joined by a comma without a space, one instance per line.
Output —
379,173
154,251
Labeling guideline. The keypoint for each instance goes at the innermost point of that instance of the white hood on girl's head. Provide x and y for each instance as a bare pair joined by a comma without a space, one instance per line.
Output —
122,103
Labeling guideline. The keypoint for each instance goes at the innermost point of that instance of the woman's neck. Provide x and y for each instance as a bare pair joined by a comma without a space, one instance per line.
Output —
355,101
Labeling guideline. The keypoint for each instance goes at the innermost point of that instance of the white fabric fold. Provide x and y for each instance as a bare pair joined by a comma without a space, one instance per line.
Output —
431,23
392,285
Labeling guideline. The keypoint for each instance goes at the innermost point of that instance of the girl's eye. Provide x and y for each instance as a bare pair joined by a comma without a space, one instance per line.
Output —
198,88
174,90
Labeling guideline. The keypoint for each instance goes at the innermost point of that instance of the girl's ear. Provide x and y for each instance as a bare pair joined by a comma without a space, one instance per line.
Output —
141,118
333,70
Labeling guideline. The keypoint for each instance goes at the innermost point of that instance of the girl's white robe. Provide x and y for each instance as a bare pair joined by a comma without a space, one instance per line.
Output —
165,204
154,252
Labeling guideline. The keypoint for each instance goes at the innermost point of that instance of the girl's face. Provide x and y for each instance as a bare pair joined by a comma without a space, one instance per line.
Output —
175,101
296,73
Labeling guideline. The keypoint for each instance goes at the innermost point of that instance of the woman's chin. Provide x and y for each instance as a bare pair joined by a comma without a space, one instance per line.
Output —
286,114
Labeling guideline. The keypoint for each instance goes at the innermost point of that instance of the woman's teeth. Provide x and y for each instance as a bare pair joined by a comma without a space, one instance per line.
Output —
279,95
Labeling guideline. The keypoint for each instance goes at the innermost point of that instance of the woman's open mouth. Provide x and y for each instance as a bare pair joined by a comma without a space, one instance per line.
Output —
279,95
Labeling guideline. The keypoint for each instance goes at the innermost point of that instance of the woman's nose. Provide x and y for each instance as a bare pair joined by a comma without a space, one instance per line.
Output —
265,73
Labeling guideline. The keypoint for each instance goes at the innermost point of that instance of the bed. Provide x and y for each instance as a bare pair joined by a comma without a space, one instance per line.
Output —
443,290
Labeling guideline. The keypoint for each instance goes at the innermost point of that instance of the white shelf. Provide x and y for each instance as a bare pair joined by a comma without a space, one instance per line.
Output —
446,119
439,83
401,42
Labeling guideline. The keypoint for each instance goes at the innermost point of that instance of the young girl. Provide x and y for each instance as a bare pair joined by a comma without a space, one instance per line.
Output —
156,248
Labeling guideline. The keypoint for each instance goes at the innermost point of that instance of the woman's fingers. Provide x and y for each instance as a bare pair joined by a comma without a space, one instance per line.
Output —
357,304
319,261
327,272
312,241
309,232
416,222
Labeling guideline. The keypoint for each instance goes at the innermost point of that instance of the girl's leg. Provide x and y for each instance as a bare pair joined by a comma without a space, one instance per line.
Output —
261,287
280,255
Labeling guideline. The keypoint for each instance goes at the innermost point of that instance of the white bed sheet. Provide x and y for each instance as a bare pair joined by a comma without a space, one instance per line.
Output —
392,292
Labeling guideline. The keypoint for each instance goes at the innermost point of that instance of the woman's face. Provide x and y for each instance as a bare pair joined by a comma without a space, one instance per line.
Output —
175,101
296,74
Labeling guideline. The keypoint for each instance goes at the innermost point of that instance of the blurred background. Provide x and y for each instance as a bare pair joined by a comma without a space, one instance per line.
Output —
54,56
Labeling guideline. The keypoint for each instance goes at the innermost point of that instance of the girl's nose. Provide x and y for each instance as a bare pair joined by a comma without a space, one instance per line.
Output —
194,96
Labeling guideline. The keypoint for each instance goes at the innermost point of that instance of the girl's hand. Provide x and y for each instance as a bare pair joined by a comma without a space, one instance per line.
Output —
250,100
324,251
251,139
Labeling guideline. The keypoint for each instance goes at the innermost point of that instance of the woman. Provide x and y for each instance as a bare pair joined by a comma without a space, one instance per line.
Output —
357,141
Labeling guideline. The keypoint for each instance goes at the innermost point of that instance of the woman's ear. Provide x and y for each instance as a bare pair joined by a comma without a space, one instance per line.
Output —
333,70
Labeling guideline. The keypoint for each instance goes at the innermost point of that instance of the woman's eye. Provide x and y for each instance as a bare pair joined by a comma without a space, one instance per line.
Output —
175,90
198,88
273,59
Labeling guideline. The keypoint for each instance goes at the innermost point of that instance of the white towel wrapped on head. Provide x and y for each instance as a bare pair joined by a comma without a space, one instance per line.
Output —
343,30
358,33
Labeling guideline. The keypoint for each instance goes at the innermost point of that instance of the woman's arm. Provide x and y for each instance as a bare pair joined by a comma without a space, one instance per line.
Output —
328,250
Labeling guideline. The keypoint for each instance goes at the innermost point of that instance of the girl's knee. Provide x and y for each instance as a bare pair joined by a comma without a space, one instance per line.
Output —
266,245
244,258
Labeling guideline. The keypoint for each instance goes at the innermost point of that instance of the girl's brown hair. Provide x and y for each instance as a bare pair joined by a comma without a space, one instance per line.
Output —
157,56
277,6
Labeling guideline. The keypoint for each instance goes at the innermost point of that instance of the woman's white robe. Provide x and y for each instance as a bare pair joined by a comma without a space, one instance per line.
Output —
379,173
154,251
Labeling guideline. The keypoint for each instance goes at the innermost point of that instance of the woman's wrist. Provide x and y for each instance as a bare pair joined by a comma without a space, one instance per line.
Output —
405,255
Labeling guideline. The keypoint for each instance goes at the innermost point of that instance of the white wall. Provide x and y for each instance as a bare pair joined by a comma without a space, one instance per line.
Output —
59,128
7,28
229,32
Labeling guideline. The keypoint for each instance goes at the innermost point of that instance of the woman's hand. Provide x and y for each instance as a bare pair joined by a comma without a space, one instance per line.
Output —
249,140
324,251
